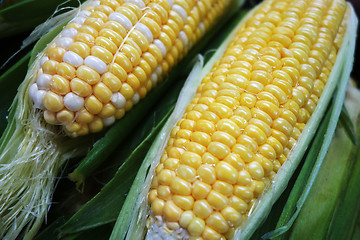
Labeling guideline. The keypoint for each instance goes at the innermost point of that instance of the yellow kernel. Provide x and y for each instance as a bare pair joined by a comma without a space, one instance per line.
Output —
164,192
186,218
127,91
89,30
102,53
80,87
59,85
73,127
228,126
53,102
191,159
232,216
210,234
226,172
180,186
157,207
165,176
83,116
185,172
218,149
50,67
96,125
102,92
66,70
224,138
65,116
184,202
111,81
223,188
195,148
200,190
269,108
50,117
257,187
217,222
111,35
107,44
209,158
255,169
93,105
235,160
196,226
119,113
55,53
108,110
171,163
171,211
95,23
282,125
244,193
204,126
244,152
207,174
248,100
88,74
84,38
202,209
238,204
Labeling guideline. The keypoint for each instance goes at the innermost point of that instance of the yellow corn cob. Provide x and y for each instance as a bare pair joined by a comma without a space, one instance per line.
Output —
246,117
112,54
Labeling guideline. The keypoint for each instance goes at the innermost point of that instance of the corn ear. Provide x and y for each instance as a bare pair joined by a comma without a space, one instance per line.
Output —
136,206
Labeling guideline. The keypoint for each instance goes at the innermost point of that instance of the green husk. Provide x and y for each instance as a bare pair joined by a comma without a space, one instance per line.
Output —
136,206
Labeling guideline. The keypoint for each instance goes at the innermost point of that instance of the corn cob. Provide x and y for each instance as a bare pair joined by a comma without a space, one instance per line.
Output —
102,63
246,117
111,55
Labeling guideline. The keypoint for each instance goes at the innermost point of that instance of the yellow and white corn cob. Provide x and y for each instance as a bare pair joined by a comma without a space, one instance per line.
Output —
112,54
245,119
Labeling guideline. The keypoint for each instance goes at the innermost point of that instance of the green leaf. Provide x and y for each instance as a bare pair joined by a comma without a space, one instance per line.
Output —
348,125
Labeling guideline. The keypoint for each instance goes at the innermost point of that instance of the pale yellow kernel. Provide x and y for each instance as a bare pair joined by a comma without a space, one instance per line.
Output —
207,173
53,102
96,124
95,23
202,209
83,116
73,127
281,137
223,188
200,190
165,176
133,81
187,124
89,30
102,92
84,38
55,53
107,44
195,148
119,113
217,200
186,218
248,100
196,227
271,109
180,186
238,204
191,159
164,192
157,207
217,222
261,115
50,117
102,53
111,35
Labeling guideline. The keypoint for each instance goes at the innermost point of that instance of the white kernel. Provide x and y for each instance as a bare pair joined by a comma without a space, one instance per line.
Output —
145,30
73,58
43,81
154,79
94,3
171,2
69,32
136,98
33,90
109,121
64,42
184,38
122,19
73,102
118,100
95,63
43,60
84,13
139,3
159,71
79,20
180,11
38,99
160,46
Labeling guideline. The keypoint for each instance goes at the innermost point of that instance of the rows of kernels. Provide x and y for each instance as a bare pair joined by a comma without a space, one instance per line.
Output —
113,53
249,112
